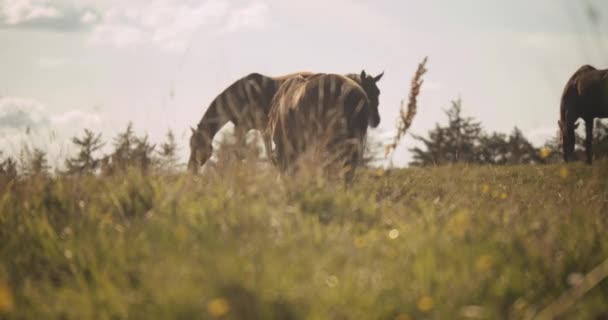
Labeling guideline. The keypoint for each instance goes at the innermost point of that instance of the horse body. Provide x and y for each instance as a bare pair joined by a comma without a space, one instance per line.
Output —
246,104
323,113
585,96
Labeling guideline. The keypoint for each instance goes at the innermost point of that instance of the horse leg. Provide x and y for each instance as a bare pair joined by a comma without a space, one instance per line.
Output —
589,139
240,142
353,158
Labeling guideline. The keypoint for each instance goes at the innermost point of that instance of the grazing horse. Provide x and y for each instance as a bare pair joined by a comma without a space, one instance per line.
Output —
585,96
326,111
246,104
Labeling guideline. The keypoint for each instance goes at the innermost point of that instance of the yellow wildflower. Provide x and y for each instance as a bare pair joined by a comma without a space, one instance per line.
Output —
485,188
218,307
359,242
484,262
458,224
424,303
545,152
6,298
564,172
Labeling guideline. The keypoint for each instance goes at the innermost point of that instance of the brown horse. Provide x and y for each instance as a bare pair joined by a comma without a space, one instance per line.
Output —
585,96
246,104
329,113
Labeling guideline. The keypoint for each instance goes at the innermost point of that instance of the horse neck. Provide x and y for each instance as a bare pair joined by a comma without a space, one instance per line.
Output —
213,120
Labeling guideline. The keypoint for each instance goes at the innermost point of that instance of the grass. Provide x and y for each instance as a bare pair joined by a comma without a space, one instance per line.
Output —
453,242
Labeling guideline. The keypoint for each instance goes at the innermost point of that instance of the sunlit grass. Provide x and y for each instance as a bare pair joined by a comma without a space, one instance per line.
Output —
420,243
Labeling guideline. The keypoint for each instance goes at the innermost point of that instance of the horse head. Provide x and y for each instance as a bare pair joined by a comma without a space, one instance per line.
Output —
201,150
369,85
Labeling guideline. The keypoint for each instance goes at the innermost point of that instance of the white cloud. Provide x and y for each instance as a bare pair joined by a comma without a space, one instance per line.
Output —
26,120
20,113
46,15
83,119
117,35
18,11
89,17
539,135
170,25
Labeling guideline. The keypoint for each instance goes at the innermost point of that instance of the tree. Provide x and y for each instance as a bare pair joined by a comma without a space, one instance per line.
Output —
130,151
493,149
8,170
34,163
85,162
520,150
168,152
455,143
142,154
123,149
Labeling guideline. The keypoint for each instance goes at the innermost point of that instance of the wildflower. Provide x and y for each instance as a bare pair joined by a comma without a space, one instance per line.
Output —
218,307
424,303
458,224
6,298
564,172
68,254
503,196
485,188
331,281
484,262
359,242
393,234
545,152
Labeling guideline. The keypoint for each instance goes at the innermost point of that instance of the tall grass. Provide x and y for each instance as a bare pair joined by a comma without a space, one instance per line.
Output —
406,115
421,243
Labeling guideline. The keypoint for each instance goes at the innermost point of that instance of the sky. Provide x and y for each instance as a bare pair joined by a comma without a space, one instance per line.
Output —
66,65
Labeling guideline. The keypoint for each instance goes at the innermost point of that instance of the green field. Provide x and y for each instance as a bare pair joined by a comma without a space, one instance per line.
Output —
454,242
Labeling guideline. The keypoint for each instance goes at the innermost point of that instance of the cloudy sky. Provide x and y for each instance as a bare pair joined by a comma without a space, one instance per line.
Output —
70,64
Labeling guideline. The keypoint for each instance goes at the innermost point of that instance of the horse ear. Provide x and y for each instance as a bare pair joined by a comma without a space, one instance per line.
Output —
378,77
363,74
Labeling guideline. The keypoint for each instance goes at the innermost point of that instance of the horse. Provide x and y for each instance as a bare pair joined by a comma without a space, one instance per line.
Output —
329,113
246,104
585,96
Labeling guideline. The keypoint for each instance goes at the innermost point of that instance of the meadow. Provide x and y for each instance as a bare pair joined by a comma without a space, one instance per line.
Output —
447,242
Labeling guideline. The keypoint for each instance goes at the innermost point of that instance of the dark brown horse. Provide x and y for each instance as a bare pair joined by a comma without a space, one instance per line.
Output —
329,113
246,104
585,96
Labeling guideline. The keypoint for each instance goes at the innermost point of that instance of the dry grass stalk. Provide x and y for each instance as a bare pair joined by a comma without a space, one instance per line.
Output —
406,116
